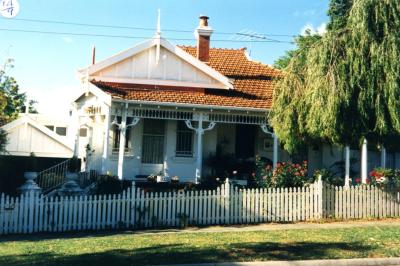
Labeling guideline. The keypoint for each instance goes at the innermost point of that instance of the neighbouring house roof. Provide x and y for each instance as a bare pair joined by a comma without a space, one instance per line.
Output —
253,84
34,138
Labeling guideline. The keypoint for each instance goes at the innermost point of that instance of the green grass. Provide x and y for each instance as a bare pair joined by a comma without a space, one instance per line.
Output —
168,248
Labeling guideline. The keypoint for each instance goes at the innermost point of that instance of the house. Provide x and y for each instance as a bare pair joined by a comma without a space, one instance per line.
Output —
171,108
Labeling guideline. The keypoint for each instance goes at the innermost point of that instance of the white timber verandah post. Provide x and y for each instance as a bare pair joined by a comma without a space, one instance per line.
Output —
106,136
200,132
265,129
347,166
122,133
383,156
364,161
122,136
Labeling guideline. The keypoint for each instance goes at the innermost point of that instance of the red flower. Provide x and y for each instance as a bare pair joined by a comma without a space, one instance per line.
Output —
278,164
367,180
358,180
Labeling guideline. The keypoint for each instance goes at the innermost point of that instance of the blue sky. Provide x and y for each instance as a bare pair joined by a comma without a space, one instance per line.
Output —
45,65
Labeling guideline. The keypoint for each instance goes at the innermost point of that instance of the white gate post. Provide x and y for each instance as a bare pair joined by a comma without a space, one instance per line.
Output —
347,166
364,161
227,200
320,188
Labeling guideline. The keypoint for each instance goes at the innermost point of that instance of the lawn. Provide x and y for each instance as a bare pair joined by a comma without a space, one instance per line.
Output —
168,248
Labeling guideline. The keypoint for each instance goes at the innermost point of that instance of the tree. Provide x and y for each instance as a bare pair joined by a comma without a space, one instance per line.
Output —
350,83
12,102
338,13
303,44
287,116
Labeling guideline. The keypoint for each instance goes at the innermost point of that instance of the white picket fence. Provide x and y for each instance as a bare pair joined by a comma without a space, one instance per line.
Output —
135,208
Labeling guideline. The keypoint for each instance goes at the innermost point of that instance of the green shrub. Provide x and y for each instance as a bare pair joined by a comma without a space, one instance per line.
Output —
285,174
328,176
107,184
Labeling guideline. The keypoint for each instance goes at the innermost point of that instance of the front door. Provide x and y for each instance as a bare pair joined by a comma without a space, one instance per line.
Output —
245,141
153,145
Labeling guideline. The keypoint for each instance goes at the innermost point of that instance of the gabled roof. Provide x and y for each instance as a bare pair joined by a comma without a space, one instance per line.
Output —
253,84
24,118
120,57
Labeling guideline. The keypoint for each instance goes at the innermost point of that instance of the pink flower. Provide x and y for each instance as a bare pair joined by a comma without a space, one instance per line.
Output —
358,180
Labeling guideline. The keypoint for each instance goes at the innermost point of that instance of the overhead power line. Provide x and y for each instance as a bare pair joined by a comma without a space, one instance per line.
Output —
134,28
136,37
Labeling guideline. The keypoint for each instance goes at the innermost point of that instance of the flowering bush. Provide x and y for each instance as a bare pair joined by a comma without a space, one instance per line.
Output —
285,174
385,177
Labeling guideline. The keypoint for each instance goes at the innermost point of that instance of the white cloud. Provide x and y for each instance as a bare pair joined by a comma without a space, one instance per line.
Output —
321,29
67,39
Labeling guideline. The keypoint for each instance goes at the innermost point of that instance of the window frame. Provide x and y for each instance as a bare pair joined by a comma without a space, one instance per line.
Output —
182,132
116,137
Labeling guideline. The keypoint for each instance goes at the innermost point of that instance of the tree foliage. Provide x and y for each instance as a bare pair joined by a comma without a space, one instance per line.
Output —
288,93
12,101
346,86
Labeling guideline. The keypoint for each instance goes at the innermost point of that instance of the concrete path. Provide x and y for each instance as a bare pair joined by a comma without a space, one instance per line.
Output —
275,226
342,262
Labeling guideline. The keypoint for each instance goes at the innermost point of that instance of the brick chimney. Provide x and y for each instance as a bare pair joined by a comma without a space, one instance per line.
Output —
203,33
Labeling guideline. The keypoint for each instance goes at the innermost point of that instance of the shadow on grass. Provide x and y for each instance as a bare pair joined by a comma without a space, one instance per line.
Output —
180,253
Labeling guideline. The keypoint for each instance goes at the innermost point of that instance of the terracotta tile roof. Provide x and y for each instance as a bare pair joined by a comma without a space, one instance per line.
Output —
234,62
253,83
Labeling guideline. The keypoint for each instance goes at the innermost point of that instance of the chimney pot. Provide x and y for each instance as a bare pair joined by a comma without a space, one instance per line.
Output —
203,21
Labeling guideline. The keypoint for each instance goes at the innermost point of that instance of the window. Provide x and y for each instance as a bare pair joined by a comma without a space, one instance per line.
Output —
117,134
184,140
50,127
62,131
83,132
153,141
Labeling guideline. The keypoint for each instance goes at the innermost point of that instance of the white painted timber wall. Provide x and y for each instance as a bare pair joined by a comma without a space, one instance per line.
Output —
135,209
25,139
143,66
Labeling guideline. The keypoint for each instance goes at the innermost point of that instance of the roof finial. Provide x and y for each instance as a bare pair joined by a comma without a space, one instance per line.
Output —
158,38
158,23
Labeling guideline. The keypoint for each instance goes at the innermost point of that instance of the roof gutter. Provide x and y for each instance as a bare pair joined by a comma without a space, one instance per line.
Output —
215,107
